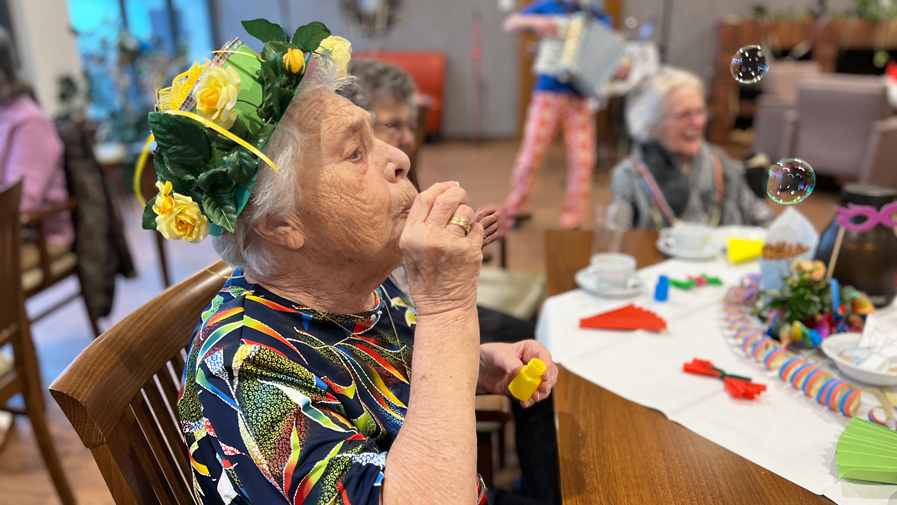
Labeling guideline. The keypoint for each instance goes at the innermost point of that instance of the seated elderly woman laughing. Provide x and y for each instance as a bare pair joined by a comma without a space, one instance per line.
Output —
673,174
309,378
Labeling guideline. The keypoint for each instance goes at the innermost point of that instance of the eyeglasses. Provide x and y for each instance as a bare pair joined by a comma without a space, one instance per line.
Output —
396,128
688,114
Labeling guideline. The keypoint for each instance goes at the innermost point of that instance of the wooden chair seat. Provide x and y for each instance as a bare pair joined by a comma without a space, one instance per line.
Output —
493,413
7,364
60,268
517,294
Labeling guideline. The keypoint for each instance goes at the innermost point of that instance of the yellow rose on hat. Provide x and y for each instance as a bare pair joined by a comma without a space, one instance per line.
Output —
216,94
164,202
340,51
295,61
183,221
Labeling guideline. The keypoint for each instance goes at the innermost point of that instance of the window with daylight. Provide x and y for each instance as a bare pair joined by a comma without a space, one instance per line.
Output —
130,48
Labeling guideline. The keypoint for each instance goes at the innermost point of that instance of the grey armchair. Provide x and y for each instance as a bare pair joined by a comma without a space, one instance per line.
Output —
777,102
835,116
879,165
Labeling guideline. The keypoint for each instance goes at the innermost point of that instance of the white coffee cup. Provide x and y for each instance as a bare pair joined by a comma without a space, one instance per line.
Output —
612,269
686,237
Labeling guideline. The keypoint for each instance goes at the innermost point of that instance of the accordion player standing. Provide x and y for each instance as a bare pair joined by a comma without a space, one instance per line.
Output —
553,103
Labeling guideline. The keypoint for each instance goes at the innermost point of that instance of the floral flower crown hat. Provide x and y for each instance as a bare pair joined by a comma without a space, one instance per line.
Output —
211,126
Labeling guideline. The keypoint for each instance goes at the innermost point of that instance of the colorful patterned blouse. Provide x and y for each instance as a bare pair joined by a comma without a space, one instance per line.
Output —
282,405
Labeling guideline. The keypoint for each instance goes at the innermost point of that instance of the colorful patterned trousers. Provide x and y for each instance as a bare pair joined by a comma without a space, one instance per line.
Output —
546,110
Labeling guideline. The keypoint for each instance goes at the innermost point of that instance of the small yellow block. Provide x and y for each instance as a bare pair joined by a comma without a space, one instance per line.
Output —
740,249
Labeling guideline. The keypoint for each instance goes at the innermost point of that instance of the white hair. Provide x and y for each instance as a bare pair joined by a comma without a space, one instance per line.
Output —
276,194
646,106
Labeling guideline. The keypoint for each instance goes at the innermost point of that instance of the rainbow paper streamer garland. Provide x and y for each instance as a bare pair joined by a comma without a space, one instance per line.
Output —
838,395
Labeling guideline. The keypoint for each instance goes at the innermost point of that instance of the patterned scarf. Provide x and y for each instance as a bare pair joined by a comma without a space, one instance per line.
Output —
674,184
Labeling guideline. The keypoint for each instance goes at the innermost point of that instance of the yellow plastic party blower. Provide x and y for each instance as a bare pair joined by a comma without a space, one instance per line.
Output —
528,380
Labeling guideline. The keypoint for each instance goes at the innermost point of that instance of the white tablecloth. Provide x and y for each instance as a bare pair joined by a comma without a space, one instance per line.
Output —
782,431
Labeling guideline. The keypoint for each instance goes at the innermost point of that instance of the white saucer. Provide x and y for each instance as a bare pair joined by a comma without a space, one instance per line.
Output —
710,251
834,345
586,280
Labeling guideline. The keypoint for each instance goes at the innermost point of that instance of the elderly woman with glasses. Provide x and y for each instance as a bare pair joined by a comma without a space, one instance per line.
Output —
673,174
310,379
389,93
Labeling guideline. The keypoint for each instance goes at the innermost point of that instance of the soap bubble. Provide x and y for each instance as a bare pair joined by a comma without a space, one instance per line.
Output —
748,64
881,58
790,181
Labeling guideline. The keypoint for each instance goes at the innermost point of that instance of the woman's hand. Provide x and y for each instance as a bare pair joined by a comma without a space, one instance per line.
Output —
442,259
544,26
623,71
488,218
500,363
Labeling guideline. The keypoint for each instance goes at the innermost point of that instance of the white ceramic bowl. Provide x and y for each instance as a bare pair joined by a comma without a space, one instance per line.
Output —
834,345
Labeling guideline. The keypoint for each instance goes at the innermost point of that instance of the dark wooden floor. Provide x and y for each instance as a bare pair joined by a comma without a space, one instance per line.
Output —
482,169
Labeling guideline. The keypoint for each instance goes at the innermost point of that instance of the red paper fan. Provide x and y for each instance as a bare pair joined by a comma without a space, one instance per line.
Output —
629,317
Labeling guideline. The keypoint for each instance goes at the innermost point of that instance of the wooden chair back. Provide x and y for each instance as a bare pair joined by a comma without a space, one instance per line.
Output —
10,250
121,395
24,378
148,188
566,251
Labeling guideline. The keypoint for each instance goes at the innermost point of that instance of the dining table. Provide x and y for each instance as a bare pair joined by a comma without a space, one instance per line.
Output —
615,451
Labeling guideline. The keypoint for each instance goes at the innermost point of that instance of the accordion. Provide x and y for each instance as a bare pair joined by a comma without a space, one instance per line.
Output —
585,54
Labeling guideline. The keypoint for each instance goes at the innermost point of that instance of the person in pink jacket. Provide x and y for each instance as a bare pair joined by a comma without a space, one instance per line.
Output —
31,150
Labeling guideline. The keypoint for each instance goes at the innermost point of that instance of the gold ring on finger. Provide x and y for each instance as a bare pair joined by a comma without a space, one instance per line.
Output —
463,223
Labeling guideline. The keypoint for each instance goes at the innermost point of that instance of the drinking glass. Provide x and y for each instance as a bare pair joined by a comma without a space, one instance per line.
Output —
611,222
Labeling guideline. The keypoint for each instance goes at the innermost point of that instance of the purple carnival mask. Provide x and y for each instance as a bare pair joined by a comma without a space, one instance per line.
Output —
874,217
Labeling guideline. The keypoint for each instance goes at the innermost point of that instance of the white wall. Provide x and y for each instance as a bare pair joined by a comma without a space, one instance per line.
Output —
438,25
46,45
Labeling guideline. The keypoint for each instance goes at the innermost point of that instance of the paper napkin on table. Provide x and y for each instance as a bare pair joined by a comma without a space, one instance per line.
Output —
629,317
879,340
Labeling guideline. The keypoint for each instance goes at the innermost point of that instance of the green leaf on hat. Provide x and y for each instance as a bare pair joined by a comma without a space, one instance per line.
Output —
161,167
215,180
268,80
219,207
217,159
264,135
274,48
241,165
282,97
149,215
183,177
183,142
265,30
219,141
309,37
182,181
